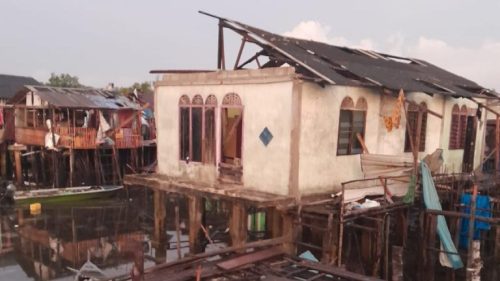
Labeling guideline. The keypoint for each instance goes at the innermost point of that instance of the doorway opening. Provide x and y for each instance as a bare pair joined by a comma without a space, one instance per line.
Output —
230,166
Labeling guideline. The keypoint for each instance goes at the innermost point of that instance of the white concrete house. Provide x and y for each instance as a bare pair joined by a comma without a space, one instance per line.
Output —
290,126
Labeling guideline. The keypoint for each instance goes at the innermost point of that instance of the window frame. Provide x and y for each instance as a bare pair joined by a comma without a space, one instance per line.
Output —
210,103
184,103
415,109
197,102
231,100
347,105
457,136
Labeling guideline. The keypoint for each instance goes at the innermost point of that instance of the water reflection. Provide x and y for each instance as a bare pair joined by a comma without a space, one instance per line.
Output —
112,233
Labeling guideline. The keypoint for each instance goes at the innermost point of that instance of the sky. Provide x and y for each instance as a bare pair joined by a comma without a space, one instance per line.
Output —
120,41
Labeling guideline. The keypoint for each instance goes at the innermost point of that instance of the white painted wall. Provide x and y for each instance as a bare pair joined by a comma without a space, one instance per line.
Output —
321,170
266,104
267,99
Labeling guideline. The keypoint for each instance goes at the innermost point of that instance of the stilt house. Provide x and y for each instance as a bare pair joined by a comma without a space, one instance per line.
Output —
300,129
87,128
291,126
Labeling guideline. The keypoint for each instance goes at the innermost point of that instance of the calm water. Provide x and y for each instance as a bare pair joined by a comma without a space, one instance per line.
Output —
43,246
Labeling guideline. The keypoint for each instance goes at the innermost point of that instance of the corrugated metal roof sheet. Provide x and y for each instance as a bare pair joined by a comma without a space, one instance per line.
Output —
356,67
80,97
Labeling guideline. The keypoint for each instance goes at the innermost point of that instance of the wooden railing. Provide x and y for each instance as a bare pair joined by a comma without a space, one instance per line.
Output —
30,136
127,138
76,137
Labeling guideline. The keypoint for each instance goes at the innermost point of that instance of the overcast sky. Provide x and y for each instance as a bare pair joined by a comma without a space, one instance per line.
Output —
119,41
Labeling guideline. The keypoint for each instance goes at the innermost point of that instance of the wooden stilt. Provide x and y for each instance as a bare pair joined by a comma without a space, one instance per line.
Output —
71,166
497,242
3,161
55,168
328,242
177,232
472,217
289,233
431,261
238,225
274,222
19,170
497,144
97,165
160,212
195,216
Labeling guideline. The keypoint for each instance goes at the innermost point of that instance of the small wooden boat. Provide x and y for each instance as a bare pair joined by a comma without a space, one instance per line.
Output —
62,195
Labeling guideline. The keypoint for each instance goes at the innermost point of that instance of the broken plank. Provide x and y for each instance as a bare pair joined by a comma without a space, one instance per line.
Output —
251,258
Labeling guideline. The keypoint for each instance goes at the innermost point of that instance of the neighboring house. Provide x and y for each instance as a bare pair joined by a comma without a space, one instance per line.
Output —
89,125
290,127
10,84
275,144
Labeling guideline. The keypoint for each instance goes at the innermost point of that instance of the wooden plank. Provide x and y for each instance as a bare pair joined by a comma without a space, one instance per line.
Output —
251,258
198,257
338,272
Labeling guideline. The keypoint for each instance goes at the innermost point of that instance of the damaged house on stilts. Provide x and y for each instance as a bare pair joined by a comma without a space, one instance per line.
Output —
318,148
66,137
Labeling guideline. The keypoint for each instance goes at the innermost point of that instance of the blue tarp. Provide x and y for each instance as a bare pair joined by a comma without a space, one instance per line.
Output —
431,200
483,209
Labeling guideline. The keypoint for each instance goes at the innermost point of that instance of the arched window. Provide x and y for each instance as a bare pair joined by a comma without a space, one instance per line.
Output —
184,127
196,128
458,127
351,123
209,141
412,119
231,99
193,123
463,125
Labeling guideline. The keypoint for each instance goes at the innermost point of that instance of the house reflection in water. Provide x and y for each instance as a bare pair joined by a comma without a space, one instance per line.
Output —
113,233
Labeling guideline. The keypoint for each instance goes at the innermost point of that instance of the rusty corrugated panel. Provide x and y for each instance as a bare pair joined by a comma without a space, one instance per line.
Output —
83,98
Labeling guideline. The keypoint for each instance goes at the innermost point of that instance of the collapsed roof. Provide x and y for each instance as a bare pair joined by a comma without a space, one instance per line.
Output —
10,84
87,98
334,65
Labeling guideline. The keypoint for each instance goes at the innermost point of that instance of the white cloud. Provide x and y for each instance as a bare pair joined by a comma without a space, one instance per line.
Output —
478,63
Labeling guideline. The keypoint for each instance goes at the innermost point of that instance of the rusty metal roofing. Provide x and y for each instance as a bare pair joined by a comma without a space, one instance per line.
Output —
78,97
356,67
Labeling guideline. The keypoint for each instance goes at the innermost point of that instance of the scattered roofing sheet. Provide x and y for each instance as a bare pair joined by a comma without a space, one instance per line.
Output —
357,67
78,97
10,84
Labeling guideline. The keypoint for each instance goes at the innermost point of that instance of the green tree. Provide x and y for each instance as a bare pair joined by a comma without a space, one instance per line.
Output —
144,87
63,80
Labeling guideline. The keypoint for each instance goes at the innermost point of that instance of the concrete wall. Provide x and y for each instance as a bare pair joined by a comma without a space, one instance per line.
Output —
266,97
454,157
277,99
321,170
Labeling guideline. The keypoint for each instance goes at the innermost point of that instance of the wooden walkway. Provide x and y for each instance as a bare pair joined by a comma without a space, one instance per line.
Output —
230,192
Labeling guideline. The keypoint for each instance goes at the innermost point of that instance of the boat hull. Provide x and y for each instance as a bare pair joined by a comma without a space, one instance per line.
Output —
67,195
